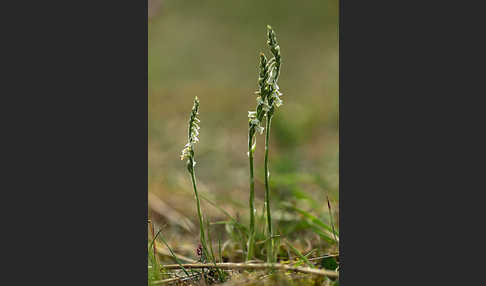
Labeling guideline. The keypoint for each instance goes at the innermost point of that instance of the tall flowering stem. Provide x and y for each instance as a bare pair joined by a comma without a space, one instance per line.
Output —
267,101
274,102
188,153
254,126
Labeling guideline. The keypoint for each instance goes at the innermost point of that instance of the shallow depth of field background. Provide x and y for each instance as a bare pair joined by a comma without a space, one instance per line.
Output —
210,49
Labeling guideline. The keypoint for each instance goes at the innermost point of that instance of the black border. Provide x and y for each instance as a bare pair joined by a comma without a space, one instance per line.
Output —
74,190
408,131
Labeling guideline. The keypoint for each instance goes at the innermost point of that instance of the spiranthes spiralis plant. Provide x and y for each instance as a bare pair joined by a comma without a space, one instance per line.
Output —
255,118
188,153
268,99
274,102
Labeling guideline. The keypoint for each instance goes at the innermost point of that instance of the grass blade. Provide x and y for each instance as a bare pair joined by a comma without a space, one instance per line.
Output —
330,218
312,218
233,220
301,256
173,255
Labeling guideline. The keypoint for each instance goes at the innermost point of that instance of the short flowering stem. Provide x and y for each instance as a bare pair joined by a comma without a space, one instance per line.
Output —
188,153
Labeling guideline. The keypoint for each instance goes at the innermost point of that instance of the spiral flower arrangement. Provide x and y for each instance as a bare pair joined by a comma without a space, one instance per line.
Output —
188,153
268,100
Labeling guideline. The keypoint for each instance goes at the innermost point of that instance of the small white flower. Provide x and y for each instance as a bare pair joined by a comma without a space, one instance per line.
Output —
266,107
186,152
259,100
193,131
260,129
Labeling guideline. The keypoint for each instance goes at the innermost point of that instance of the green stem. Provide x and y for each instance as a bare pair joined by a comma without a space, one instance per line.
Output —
267,192
251,238
201,224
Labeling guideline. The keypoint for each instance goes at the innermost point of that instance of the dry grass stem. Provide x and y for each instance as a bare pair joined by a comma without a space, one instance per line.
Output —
234,266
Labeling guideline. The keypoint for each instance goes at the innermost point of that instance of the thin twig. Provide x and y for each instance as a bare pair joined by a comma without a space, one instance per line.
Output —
325,256
308,270
175,279
166,280
164,252
161,208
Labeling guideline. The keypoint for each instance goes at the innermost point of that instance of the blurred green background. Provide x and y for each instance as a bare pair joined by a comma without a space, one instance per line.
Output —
210,49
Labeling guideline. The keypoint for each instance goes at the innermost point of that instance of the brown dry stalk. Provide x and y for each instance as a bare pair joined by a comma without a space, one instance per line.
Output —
325,256
308,270
167,280
175,279
164,252
160,207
